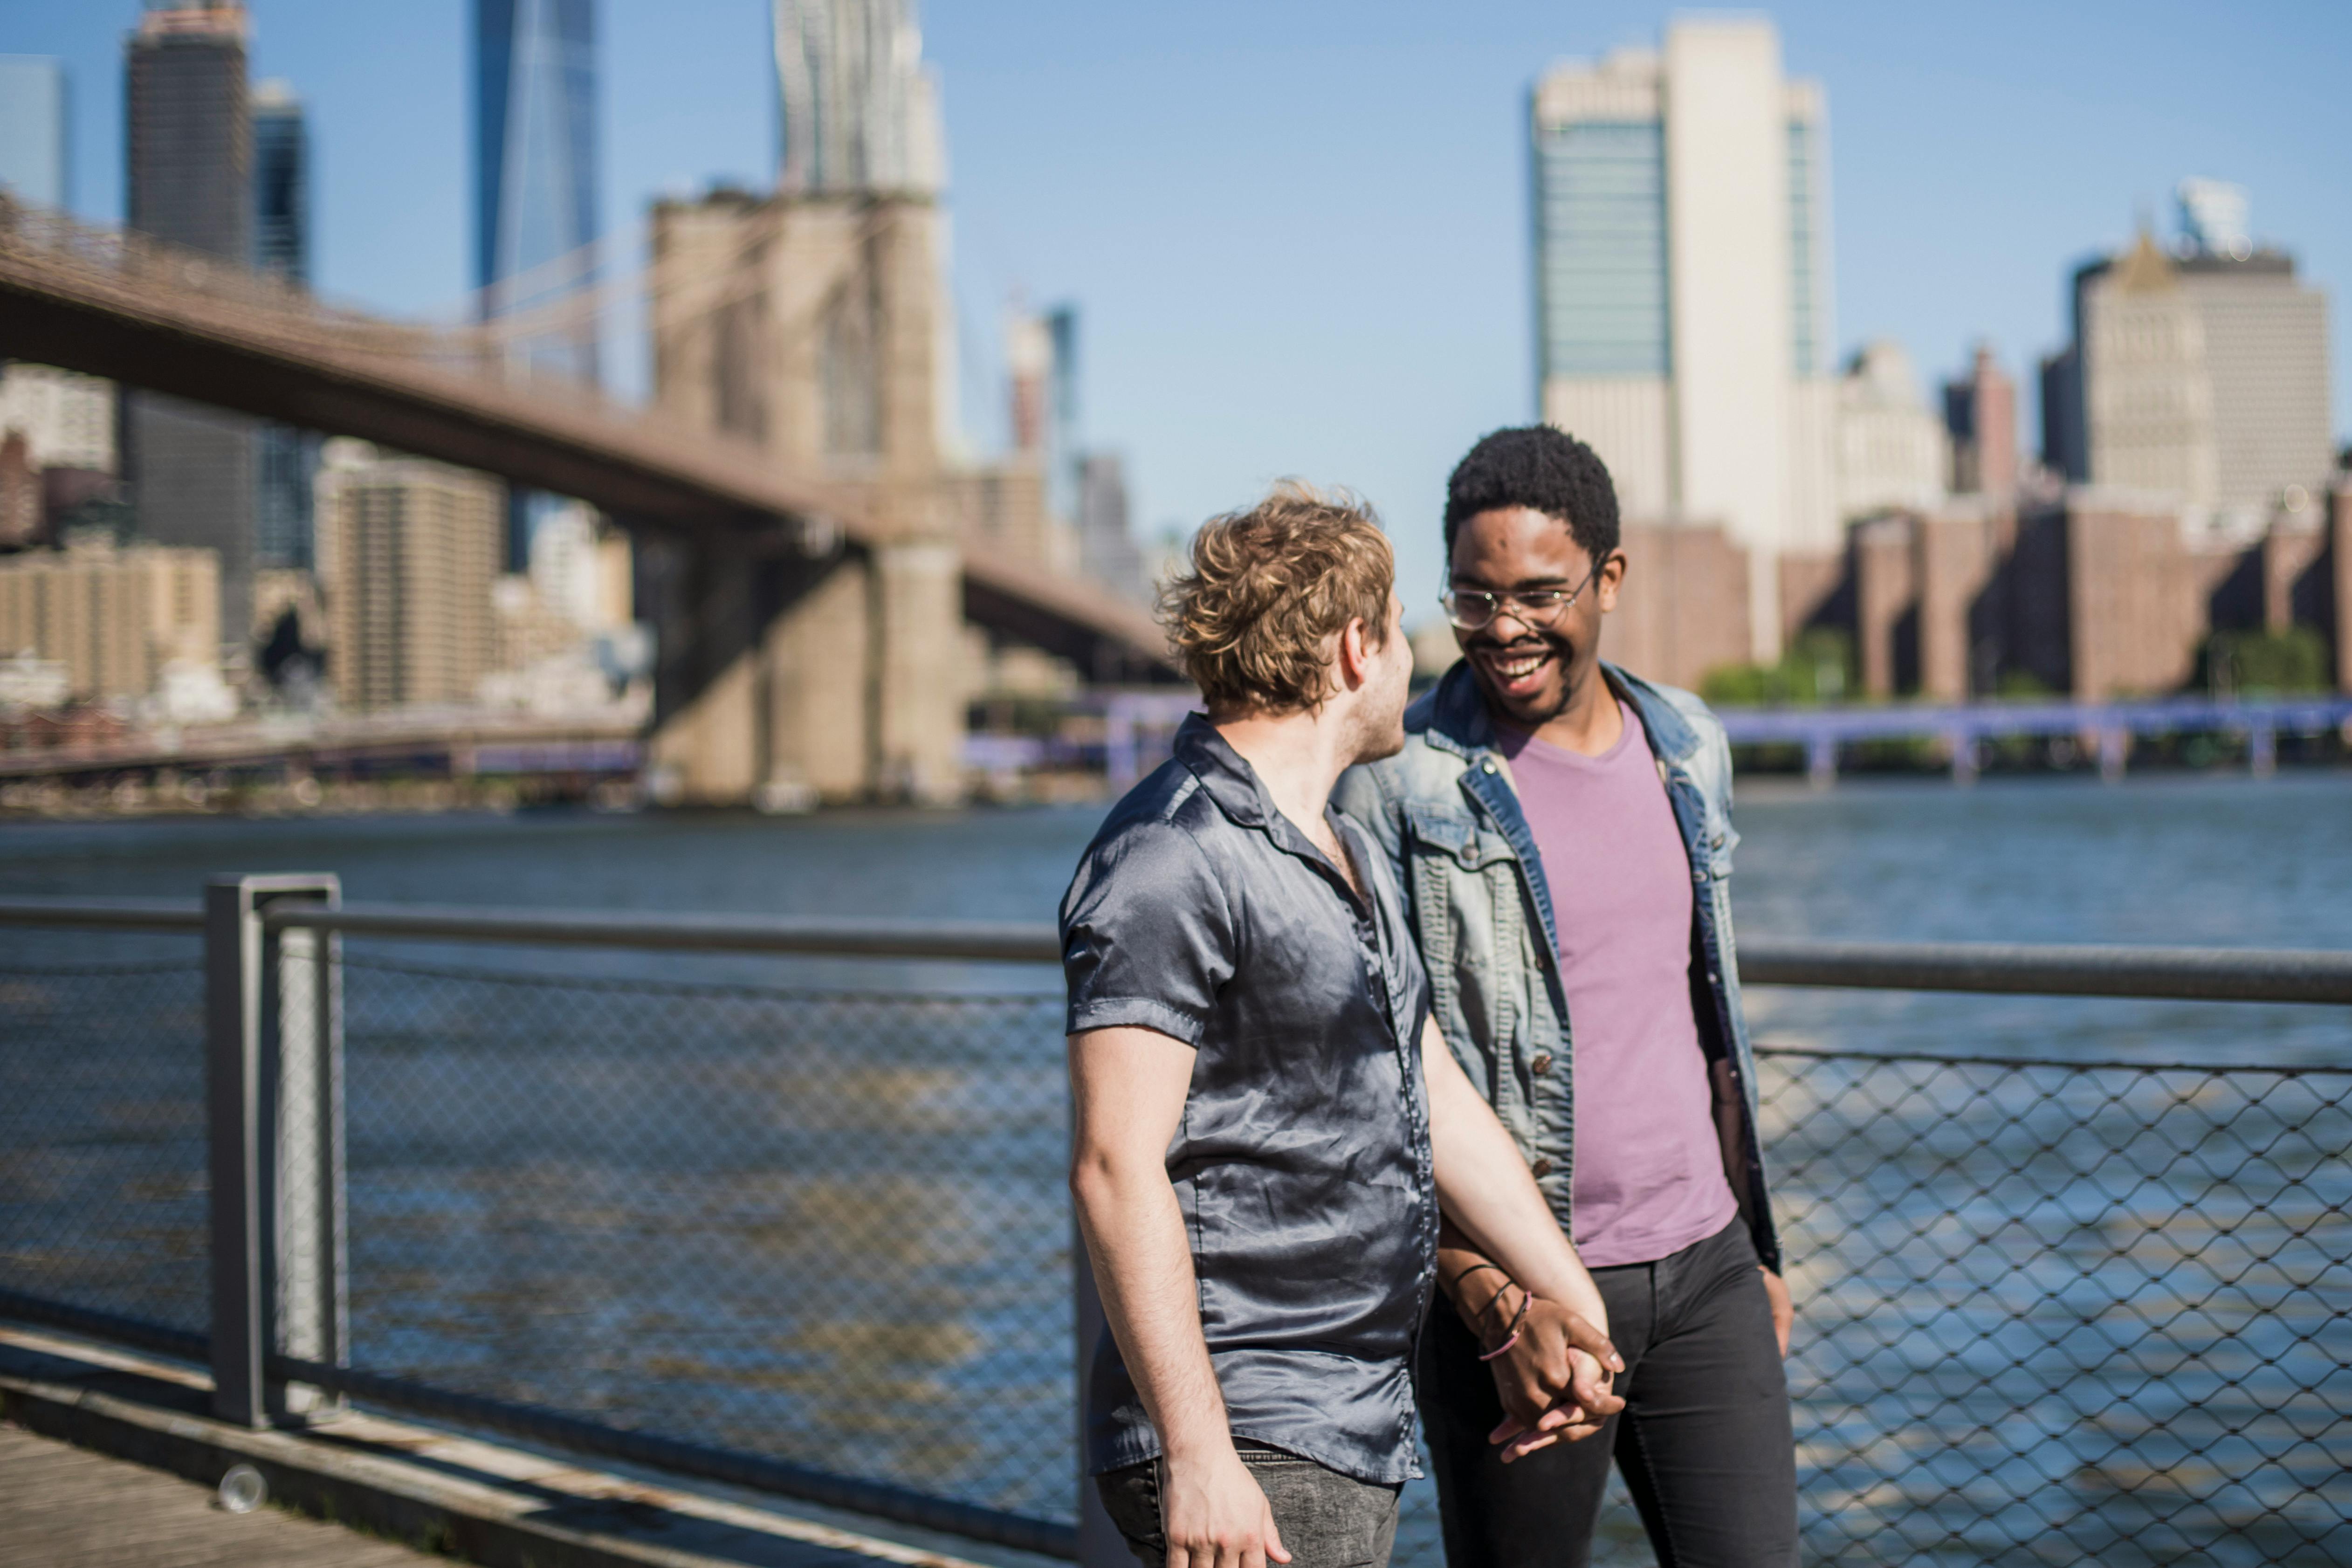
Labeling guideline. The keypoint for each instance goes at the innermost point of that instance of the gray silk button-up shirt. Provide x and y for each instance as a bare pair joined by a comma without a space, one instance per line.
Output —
1302,1164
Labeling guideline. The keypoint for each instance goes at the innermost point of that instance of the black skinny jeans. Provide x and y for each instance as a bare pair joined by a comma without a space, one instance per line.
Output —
1704,1441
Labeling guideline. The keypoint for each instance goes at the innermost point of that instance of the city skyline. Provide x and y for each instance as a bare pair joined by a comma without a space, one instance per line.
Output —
1386,364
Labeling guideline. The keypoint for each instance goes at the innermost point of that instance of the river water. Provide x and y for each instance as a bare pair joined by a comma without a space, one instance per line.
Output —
2203,861
789,1205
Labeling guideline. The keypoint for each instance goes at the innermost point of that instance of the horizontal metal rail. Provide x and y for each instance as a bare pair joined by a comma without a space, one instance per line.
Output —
989,940
2178,973
2172,973
115,914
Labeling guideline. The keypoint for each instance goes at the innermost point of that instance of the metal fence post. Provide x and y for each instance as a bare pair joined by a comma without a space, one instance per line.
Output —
313,1317
243,1096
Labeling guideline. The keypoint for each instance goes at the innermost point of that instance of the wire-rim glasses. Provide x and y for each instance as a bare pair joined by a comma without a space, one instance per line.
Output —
1475,609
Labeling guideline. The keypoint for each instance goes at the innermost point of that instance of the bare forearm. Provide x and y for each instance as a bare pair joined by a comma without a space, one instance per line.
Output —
1143,1270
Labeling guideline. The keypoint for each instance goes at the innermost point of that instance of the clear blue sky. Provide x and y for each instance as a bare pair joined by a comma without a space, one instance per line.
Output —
1298,231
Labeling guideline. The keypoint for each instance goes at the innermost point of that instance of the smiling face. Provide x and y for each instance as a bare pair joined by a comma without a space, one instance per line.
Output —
1531,670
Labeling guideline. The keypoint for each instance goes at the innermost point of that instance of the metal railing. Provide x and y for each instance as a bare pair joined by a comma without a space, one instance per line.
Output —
817,1241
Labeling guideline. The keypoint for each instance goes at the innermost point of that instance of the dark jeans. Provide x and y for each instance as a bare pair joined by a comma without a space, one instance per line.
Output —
1704,1441
1326,1519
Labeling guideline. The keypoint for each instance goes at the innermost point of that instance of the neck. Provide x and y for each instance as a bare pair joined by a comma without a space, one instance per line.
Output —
1590,722
1297,756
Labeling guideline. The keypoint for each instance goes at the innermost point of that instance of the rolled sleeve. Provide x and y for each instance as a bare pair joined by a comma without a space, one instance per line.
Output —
1147,935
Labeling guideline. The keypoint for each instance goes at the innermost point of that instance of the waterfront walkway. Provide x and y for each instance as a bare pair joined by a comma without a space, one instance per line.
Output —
74,1417
65,1507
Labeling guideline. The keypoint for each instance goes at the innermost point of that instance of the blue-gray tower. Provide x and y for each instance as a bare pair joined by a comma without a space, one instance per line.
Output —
287,459
535,193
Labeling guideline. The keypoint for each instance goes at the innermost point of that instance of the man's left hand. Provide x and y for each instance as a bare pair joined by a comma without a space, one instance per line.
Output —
1784,1311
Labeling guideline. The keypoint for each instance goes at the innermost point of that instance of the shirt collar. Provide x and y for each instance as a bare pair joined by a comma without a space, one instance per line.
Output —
1224,775
1227,779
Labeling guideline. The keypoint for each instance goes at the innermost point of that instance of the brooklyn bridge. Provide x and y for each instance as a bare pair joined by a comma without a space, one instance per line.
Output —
809,595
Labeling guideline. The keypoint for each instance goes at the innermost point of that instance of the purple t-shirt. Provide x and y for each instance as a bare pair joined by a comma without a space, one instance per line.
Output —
1648,1176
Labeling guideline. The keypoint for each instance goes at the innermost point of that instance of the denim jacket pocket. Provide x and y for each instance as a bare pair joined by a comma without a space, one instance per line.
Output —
1437,829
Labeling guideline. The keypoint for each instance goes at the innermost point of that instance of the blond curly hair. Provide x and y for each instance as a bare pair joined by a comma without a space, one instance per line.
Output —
1254,621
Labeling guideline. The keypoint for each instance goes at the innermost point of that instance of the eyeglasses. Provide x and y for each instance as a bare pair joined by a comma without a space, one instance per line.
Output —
1475,609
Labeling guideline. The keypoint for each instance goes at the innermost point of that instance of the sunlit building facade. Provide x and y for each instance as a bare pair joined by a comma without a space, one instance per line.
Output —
2200,375
1683,289
858,112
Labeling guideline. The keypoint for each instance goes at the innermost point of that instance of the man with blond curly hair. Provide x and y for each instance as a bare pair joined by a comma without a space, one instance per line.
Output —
1268,1122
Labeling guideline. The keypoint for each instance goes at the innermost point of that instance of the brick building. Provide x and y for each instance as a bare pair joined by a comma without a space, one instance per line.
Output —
2095,594
2089,592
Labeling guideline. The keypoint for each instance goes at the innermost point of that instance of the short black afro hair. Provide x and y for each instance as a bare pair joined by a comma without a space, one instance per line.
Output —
1539,467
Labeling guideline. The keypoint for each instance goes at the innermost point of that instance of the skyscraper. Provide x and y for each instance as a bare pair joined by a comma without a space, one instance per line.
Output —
191,469
858,111
33,165
535,197
2202,374
281,184
287,459
1682,286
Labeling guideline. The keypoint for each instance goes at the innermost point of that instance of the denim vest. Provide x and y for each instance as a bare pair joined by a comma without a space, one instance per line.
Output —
1446,812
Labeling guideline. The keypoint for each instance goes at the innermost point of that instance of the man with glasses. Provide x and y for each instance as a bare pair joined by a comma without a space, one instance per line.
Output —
1562,832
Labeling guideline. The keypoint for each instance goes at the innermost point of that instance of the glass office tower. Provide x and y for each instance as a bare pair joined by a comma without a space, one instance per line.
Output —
33,130
287,458
535,197
858,112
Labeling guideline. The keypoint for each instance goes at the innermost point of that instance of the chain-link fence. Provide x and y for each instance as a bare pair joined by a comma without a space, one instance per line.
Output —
102,1179
2047,1312
829,1228
2061,1313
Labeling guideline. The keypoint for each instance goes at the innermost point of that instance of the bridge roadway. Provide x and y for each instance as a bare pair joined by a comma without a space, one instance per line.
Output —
134,310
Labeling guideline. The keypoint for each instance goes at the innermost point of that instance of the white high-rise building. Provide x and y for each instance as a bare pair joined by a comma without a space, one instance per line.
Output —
860,112
1683,289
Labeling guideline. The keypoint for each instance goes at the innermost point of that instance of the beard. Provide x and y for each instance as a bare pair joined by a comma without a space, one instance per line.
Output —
1379,728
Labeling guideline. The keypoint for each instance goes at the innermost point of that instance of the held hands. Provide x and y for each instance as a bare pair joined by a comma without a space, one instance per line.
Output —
1215,1515
1554,1382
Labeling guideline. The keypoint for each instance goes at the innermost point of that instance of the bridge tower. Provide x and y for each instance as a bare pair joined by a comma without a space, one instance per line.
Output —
794,669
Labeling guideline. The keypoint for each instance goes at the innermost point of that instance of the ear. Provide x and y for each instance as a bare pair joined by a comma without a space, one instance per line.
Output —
1355,654
1613,577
